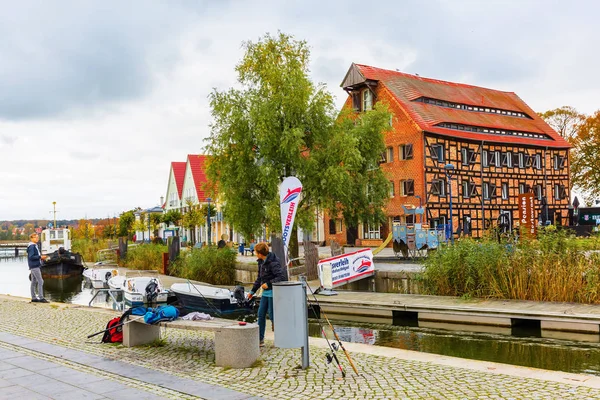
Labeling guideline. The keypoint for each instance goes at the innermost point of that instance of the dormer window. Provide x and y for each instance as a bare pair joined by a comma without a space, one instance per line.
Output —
367,100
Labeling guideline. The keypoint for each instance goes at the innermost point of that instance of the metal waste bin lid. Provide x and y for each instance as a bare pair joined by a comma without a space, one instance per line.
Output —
287,283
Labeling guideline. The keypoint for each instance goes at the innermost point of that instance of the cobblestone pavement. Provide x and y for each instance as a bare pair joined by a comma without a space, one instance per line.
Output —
191,355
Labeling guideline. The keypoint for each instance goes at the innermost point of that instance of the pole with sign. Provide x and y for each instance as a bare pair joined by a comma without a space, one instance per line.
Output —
289,197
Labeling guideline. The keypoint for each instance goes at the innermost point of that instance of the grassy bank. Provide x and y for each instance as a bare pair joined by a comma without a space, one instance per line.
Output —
555,267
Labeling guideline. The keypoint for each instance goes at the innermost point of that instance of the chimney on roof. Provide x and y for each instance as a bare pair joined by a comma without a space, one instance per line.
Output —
162,200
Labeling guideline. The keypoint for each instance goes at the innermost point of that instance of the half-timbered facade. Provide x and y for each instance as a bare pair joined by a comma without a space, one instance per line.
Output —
496,144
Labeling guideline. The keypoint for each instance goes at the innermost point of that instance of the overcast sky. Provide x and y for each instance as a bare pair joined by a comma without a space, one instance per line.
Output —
98,97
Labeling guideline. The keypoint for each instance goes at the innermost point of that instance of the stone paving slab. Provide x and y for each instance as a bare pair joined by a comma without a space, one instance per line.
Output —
385,373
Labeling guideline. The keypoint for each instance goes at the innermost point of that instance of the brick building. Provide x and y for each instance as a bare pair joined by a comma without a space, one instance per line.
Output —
497,145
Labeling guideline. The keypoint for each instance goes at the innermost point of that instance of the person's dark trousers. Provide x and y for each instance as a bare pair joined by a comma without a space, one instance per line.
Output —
266,304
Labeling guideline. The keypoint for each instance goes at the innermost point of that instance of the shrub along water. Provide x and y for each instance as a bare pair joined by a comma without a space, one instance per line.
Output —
208,264
88,248
145,257
554,267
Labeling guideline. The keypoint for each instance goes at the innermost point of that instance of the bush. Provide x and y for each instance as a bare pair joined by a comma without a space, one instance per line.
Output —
88,248
551,268
145,257
208,264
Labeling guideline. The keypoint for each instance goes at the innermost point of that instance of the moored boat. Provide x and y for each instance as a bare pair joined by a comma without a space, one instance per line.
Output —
60,261
98,277
141,289
210,299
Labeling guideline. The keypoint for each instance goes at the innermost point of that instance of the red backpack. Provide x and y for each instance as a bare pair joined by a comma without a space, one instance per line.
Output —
114,335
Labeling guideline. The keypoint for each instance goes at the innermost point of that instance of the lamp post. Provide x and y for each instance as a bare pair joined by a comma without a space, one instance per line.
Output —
448,169
208,199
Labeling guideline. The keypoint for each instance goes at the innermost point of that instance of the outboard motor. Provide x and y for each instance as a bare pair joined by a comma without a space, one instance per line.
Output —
240,296
151,291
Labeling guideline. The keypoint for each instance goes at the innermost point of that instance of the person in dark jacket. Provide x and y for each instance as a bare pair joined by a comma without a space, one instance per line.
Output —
34,260
269,272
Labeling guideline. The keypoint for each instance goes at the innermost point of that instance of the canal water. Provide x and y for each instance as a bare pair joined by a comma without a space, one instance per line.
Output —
525,350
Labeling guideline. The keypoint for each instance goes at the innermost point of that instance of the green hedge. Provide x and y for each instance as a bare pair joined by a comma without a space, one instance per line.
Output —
208,264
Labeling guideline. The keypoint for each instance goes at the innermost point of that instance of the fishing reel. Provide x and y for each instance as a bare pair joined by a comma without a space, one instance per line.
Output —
329,358
334,346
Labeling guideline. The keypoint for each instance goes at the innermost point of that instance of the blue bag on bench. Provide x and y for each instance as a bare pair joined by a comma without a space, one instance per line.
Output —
163,313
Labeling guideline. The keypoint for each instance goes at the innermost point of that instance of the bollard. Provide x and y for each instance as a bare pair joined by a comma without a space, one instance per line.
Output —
165,265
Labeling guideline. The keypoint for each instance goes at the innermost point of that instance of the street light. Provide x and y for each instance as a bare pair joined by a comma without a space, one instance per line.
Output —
208,199
448,169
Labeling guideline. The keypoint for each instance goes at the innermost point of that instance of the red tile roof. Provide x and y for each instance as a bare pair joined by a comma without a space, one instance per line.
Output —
406,88
197,162
179,173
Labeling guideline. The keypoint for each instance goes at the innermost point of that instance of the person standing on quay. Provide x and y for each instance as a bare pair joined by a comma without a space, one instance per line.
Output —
269,271
34,260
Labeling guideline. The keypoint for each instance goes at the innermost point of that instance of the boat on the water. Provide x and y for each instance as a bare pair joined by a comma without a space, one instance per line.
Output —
142,289
60,261
211,299
98,277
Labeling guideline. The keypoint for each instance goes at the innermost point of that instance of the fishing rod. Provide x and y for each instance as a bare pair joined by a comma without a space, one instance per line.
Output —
205,299
332,346
332,329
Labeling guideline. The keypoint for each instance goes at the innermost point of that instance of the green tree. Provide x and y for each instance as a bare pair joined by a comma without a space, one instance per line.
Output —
155,221
126,221
172,217
564,120
280,124
192,218
585,163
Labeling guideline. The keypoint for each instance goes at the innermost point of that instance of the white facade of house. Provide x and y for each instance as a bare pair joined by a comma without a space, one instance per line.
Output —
172,202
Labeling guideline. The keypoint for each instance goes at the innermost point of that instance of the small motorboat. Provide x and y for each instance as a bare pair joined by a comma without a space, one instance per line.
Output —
98,277
139,290
211,299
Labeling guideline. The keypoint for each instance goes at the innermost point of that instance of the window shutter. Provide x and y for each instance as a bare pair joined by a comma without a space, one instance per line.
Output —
411,188
433,151
563,192
382,159
515,157
435,187
408,151
472,190
472,156
562,162
356,101
528,161
493,191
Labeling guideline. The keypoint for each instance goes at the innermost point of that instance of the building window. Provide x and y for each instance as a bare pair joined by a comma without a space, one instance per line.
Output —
367,100
409,219
332,226
504,191
392,189
408,187
559,162
560,192
437,152
537,191
521,188
356,101
339,227
405,152
537,161
438,187
485,159
469,189
489,191
371,231
507,159
521,160
468,156
389,154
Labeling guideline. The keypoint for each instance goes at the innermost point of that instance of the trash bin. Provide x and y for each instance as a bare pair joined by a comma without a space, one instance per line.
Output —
291,317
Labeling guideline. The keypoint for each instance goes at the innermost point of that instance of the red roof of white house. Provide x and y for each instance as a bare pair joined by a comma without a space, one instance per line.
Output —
197,162
407,88
178,173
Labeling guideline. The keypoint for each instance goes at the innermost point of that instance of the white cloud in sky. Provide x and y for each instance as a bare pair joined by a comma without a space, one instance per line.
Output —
97,98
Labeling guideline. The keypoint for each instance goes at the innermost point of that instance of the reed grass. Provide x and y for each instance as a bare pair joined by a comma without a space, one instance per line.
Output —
554,267
145,257
88,248
208,264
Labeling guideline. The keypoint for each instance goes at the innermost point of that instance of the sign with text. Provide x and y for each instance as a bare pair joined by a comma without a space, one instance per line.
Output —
350,267
527,213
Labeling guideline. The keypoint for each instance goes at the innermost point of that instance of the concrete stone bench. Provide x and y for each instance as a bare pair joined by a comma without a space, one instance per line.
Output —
236,346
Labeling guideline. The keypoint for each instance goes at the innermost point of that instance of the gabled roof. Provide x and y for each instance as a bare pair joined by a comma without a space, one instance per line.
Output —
178,174
197,166
411,90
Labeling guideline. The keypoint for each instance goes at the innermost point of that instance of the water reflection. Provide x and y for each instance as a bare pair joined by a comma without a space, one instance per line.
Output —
62,290
544,353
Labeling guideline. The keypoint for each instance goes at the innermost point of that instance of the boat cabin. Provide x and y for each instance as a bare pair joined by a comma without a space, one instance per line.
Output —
53,239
